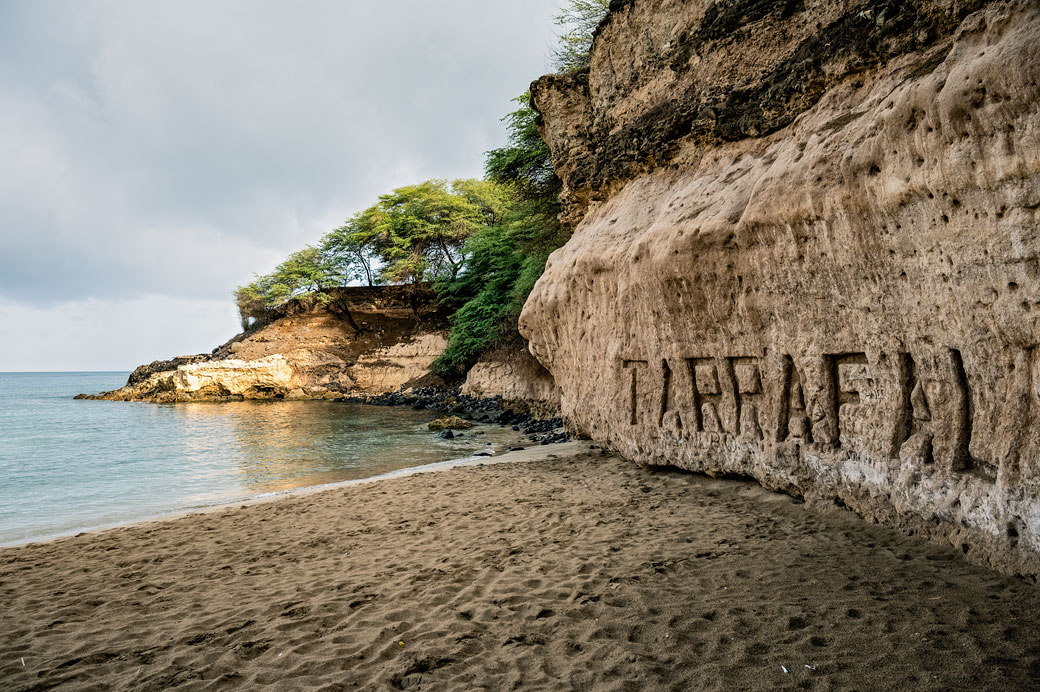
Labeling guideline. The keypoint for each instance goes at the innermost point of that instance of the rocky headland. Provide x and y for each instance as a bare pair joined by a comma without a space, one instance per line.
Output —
369,344
807,252
367,340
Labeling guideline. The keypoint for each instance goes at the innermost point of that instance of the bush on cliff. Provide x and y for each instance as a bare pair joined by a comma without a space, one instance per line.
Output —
578,19
504,262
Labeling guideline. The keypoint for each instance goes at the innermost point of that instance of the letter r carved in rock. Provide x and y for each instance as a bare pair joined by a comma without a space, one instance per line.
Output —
707,388
747,381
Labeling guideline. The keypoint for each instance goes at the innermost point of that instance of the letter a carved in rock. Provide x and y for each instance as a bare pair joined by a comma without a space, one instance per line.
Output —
709,393
793,422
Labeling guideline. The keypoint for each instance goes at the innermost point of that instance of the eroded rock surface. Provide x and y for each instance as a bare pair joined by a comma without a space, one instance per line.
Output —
808,252
512,373
407,363
367,341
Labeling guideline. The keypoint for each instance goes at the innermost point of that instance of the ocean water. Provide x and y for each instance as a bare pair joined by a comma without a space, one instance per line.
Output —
68,466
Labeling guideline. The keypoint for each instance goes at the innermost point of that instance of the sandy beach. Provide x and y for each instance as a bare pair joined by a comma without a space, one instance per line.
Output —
574,572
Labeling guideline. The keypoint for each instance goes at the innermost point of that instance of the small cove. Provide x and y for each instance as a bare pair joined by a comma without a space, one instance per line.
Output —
68,466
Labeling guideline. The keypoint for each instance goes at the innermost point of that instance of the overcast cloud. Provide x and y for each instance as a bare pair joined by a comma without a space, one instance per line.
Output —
156,154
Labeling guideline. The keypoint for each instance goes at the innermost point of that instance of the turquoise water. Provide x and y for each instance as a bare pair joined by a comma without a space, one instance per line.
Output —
67,466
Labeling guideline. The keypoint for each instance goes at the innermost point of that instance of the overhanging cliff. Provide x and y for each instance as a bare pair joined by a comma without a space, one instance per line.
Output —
807,251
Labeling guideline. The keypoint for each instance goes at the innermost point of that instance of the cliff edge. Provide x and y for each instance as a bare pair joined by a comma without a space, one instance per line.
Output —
367,340
807,251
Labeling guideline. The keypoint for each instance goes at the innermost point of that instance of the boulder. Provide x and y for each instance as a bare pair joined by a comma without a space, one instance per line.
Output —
450,423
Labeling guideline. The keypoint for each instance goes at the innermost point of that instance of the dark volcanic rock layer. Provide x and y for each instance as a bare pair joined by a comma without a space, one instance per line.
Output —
807,251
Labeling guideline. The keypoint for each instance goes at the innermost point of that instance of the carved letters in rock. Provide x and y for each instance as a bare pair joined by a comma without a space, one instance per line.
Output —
807,250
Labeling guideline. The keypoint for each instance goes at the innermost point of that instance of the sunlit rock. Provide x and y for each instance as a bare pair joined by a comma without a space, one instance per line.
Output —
808,251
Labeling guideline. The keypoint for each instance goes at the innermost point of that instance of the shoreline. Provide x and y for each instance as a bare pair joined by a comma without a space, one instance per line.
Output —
524,455
575,572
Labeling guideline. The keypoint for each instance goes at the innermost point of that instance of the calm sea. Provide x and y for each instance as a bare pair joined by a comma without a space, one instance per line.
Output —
67,466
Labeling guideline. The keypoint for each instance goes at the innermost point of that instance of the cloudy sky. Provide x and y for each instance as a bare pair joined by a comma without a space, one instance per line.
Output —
154,154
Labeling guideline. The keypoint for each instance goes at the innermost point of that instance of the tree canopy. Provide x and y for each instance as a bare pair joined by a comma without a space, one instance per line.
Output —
304,273
414,234
419,231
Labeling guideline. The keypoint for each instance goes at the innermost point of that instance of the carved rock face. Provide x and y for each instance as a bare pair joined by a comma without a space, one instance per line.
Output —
845,307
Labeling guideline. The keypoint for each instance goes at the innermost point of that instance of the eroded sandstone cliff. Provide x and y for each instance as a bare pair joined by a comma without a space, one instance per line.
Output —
367,340
511,372
807,251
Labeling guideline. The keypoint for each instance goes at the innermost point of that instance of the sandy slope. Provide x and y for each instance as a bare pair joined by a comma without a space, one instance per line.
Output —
571,573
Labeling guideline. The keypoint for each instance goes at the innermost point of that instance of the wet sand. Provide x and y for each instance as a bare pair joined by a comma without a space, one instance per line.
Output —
573,573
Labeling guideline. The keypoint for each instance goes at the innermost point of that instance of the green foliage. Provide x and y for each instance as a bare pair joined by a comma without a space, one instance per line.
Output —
578,20
419,231
504,262
526,162
304,274
251,303
350,251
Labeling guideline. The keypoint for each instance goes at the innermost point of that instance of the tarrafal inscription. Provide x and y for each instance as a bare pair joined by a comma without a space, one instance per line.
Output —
898,407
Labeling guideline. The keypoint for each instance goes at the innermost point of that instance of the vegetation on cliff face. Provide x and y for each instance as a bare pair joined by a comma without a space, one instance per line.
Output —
578,19
505,260
480,244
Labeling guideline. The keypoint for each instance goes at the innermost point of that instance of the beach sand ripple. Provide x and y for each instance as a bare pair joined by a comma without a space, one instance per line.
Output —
576,573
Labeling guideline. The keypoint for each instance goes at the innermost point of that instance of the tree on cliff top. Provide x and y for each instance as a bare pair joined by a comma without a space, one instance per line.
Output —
305,273
350,250
419,231
416,233
578,19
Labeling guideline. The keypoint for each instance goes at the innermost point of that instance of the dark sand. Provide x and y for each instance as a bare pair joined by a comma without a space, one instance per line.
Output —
580,573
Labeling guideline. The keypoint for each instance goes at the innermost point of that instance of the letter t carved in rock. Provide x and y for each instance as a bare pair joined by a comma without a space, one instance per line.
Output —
634,367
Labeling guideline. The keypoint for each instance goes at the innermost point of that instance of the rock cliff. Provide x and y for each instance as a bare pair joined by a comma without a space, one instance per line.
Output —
511,372
367,340
807,251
